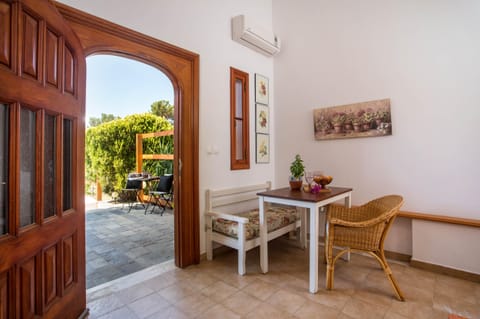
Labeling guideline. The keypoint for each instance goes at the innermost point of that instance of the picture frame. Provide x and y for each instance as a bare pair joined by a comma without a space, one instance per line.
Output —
262,91
363,119
262,148
262,119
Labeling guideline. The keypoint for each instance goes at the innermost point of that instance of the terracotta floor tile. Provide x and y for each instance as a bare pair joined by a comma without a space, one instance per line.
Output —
241,303
313,310
148,305
261,289
213,289
360,309
286,301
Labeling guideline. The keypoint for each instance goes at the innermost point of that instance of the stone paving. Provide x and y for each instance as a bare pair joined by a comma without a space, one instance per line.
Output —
119,243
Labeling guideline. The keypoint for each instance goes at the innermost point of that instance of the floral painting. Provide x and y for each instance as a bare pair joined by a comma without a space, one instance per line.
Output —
261,89
365,119
262,122
263,148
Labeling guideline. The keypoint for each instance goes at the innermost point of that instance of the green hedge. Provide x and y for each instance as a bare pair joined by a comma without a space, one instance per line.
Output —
110,149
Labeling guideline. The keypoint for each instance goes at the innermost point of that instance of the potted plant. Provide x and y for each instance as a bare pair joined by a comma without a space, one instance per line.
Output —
348,121
323,125
357,124
297,170
367,119
337,121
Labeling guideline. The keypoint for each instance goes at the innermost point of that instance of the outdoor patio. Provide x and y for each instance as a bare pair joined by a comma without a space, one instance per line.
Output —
119,243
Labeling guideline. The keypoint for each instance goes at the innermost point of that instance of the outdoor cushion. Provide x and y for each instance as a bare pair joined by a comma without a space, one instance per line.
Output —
276,217
165,184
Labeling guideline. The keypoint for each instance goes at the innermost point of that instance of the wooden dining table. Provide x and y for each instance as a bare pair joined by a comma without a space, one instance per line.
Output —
310,201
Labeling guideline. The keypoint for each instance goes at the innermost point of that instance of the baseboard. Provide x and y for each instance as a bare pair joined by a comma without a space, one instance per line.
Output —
397,256
446,271
216,252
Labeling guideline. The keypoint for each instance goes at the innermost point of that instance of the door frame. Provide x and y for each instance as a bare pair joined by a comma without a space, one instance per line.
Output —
99,36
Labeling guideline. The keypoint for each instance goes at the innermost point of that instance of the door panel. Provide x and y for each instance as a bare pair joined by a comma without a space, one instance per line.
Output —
4,301
30,33
69,71
52,43
49,275
4,138
69,265
42,211
26,278
5,33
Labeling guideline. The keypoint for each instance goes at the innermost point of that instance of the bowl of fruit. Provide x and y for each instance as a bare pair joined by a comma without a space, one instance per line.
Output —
323,180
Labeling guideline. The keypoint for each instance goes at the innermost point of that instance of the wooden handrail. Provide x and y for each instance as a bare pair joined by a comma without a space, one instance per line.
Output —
441,219
158,156
139,148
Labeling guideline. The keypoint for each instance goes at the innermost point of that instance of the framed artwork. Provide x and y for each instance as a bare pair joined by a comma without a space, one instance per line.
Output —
261,89
263,148
364,119
262,121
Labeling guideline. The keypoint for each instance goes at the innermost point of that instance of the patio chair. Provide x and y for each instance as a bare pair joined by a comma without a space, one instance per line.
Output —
161,194
364,229
131,193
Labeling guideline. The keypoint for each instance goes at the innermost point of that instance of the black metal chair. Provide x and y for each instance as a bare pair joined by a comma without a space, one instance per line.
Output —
161,194
131,193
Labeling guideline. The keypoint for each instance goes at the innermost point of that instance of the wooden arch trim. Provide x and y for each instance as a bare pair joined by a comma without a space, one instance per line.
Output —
182,67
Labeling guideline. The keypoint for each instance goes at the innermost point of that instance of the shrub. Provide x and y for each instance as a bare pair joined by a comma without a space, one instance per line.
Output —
110,149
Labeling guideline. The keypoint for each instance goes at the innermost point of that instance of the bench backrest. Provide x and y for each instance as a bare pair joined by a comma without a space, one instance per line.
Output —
216,199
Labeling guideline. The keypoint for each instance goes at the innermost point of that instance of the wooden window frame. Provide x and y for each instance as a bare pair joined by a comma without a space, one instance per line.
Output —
244,163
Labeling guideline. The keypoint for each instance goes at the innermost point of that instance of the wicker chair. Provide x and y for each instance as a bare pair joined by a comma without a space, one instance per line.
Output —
362,228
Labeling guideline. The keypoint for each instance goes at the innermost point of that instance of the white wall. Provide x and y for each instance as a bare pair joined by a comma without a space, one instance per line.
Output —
423,55
204,28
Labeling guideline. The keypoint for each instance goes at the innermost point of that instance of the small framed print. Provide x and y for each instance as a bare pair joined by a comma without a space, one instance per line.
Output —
261,89
263,148
262,121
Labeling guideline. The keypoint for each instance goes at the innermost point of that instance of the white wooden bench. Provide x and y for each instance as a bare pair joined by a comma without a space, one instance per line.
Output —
229,224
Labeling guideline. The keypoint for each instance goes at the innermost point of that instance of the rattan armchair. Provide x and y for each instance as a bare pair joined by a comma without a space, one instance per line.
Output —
362,228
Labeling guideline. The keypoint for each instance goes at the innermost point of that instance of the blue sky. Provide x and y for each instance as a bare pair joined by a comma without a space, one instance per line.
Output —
121,86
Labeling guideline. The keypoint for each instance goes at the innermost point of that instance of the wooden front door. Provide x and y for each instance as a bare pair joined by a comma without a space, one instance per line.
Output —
42,209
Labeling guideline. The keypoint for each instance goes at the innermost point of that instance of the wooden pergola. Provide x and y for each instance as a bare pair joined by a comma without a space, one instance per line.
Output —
139,149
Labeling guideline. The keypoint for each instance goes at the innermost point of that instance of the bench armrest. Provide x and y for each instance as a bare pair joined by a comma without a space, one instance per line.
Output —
231,217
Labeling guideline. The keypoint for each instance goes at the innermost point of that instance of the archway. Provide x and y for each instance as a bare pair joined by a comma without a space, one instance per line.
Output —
181,66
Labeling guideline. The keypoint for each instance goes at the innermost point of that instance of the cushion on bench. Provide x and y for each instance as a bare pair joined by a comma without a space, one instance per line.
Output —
276,217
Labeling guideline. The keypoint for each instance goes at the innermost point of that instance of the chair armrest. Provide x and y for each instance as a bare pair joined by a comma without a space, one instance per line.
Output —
363,223
231,217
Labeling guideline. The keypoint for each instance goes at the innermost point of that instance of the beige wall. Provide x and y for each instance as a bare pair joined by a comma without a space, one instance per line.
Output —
423,55
204,27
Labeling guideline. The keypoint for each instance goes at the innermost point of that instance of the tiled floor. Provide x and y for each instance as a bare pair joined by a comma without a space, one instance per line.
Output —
213,289
119,243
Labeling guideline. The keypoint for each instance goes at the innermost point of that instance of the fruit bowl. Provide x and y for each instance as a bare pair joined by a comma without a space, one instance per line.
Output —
323,180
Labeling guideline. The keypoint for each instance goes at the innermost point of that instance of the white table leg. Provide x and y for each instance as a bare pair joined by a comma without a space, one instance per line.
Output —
263,236
348,203
313,285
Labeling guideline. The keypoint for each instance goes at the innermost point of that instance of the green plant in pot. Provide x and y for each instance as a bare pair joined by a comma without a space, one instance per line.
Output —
297,170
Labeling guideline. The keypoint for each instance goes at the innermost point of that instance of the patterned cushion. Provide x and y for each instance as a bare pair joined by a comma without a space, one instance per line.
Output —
277,217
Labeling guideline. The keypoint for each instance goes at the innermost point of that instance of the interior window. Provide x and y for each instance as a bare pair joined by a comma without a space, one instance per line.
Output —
239,137
27,167
3,169
67,164
49,207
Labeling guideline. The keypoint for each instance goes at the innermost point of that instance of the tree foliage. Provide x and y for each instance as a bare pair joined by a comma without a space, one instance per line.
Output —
110,149
95,121
162,108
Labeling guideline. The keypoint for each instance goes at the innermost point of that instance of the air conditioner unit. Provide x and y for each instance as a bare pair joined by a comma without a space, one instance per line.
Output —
255,37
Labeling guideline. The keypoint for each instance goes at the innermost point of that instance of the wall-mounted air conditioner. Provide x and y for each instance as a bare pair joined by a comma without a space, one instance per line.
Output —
255,37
